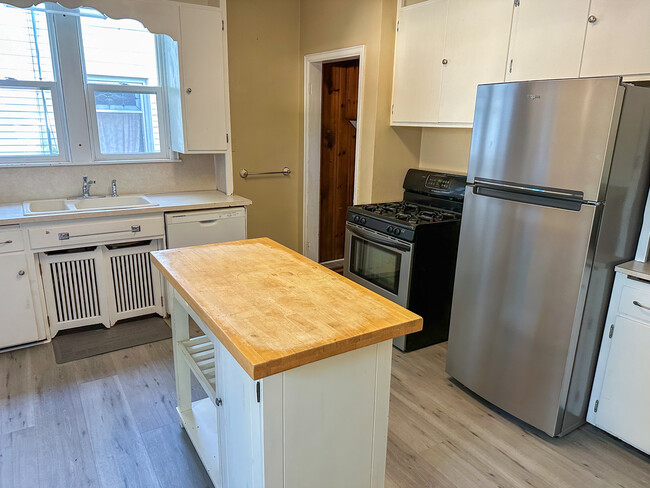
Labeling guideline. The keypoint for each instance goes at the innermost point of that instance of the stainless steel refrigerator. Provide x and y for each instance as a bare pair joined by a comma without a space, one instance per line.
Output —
557,181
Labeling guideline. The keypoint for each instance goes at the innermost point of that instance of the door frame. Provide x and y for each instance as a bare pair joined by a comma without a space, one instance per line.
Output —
313,85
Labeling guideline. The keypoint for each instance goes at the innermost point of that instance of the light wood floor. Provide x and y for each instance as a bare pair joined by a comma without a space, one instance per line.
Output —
110,421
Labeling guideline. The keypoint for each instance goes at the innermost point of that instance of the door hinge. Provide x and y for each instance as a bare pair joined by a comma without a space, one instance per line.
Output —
392,109
398,26
162,301
596,406
611,331
516,3
511,65
223,25
227,138
257,386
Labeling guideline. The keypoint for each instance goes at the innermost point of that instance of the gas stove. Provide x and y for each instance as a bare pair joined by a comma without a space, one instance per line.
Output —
406,251
429,198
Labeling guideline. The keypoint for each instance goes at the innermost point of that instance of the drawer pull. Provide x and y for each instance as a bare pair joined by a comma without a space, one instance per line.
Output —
640,305
5,242
135,228
21,273
64,236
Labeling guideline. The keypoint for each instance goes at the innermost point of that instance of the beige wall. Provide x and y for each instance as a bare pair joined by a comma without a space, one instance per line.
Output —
265,73
445,149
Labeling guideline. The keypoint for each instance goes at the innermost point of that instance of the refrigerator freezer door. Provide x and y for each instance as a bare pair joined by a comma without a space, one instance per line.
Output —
518,298
546,134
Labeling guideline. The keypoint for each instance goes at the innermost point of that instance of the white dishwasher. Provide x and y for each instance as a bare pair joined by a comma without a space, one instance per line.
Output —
185,229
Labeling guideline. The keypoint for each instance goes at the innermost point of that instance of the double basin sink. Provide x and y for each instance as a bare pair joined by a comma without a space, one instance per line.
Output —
63,205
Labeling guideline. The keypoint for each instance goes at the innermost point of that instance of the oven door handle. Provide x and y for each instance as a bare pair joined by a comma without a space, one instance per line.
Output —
375,238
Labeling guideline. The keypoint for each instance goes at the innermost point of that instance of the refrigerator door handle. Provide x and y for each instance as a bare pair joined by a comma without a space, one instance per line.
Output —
540,199
546,192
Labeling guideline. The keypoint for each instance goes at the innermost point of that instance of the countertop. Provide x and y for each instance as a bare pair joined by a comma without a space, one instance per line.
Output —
12,213
635,268
276,310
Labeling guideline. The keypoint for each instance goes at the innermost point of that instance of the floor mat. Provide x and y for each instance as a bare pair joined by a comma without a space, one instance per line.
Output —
73,345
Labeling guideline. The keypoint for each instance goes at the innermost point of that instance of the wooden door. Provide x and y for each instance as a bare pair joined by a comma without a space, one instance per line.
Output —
546,40
338,140
419,51
617,38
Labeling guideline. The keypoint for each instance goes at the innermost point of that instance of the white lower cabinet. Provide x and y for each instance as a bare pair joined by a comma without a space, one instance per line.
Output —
320,425
621,392
18,320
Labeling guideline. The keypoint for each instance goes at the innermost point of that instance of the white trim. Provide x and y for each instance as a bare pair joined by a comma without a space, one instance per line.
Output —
313,79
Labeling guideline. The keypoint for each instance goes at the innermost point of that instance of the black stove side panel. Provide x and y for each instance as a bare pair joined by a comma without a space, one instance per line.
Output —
432,282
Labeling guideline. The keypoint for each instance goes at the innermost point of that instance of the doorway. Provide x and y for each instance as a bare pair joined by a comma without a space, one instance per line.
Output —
333,100
338,144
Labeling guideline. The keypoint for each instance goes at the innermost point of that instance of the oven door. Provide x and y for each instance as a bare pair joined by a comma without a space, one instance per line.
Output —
378,262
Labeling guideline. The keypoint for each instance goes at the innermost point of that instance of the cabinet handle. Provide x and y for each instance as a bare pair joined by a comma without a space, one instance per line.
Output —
445,61
640,305
188,91
218,402
592,19
5,242
21,273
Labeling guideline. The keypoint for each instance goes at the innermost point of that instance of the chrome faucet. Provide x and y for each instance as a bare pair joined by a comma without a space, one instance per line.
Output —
114,188
85,188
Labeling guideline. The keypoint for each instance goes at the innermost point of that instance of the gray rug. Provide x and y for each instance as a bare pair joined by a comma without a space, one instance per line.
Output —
79,344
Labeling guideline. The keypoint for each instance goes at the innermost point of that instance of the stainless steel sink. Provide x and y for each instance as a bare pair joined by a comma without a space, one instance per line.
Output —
62,205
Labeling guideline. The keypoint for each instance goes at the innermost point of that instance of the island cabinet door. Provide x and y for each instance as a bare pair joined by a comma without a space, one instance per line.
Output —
240,434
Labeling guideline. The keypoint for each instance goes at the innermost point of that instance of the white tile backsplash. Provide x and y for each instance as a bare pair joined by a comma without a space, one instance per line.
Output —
194,172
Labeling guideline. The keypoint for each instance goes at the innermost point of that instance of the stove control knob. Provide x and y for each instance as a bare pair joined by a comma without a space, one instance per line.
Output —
389,229
362,220
397,231
356,218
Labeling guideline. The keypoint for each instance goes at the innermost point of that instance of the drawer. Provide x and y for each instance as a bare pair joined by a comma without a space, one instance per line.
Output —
11,239
75,233
634,299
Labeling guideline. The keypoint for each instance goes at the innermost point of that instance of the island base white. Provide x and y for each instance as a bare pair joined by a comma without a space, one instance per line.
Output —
323,424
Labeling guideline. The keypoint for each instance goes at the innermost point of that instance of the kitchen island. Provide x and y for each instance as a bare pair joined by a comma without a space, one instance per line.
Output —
295,361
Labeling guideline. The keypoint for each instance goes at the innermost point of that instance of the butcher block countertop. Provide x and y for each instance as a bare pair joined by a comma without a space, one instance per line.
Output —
274,309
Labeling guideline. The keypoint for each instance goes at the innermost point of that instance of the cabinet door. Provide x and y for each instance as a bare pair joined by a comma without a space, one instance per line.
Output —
625,394
17,322
240,426
546,40
617,38
203,83
476,49
419,48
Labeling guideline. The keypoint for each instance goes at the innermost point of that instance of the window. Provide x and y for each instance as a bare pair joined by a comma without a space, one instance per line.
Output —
29,93
106,70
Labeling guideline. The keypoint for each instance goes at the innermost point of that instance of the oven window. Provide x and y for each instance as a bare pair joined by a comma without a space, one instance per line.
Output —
375,264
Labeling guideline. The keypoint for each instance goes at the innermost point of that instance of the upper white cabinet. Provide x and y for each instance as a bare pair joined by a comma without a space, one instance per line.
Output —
475,51
419,51
444,49
203,85
618,38
547,39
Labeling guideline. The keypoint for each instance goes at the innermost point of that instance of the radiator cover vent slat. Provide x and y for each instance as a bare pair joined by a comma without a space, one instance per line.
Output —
132,282
75,290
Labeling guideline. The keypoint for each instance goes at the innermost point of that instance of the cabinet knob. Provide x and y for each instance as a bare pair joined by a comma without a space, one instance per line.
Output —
188,91
218,402
445,61
21,273
592,19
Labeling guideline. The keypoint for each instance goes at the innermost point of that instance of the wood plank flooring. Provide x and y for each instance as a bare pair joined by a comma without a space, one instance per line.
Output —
110,421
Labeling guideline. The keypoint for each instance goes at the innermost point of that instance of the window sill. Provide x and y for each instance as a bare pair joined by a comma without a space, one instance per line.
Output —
25,164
